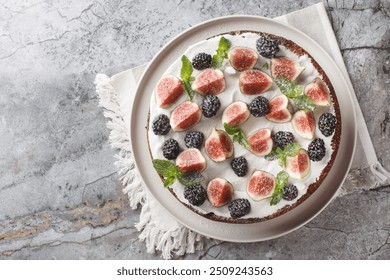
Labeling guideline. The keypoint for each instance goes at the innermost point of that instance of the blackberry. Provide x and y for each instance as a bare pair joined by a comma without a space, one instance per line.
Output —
283,138
267,47
194,139
210,106
327,124
171,149
239,207
259,106
201,61
196,195
316,149
239,166
290,192
161,125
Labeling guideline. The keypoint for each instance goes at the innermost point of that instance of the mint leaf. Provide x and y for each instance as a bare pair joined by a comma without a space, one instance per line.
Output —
171,172
295,93
187,87
221,53
243,141
280,184
186,76
164,167
190,179
238,135
186,68
169,181
303,102
231,130
287,87
290,150
265,66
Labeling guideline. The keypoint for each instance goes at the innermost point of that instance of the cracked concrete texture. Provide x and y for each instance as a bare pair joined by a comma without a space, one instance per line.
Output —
60,196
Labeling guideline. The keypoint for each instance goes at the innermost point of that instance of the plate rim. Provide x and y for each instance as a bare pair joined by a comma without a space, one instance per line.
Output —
349,97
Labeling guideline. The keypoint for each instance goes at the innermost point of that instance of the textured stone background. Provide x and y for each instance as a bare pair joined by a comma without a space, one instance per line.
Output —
60,197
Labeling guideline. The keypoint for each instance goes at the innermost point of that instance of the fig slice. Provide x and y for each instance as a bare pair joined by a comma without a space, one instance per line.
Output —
185,116
191,160
304,124
284,67
168,90
209,81
260,185
235,114
279,111
254,82
298,167
260,142
219,146
318,92
242,58
219,192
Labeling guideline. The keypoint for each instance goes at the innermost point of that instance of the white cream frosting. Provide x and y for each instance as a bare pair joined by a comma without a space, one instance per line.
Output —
230,94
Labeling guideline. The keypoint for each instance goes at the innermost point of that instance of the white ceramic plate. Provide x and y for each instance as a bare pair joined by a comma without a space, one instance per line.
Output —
241,232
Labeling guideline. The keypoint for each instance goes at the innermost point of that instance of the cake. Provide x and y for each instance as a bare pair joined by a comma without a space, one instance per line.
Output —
243,127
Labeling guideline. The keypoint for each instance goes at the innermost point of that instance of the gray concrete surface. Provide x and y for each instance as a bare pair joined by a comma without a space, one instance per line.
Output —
60,197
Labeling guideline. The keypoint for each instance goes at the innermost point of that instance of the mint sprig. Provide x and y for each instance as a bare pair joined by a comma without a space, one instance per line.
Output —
171,173
186,76
280,184
290,150
295,93
221,53
238,135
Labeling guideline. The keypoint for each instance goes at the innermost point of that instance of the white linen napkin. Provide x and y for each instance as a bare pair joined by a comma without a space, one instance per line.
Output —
158,228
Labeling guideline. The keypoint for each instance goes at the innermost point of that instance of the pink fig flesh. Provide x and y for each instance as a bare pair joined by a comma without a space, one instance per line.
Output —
254,82
168,90
278,110
260,185
260,142
219,192
304,124
209,81
219,146
318,92
235,114
185,116
191,160
298,167
242,58
284,67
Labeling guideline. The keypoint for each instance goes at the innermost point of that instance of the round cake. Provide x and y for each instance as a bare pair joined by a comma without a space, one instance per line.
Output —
243,127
